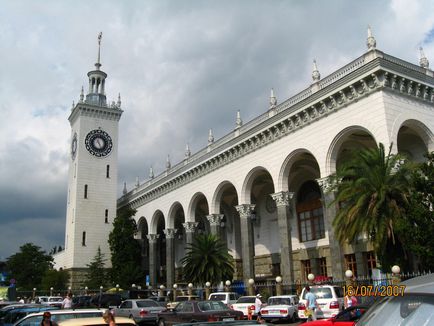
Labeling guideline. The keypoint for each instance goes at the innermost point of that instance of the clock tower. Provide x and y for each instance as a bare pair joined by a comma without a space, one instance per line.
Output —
92,180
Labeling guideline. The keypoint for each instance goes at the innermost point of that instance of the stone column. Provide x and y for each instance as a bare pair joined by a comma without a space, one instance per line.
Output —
170,257
214,222
285,213
247,244
189,227
336,255
153,258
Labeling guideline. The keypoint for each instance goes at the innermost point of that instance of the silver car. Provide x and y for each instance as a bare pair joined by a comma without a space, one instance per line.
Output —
141,310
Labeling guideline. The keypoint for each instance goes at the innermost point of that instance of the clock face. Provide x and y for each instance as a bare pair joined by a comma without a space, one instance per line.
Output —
98,143
74,146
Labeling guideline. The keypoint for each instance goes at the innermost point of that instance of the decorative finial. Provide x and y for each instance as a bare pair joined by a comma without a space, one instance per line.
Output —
168,165
124,191
424,63
98,62
273,100
151,173
119,101
73,105
187,151
370,41
82,95
210,137
137,182
316,76
238,122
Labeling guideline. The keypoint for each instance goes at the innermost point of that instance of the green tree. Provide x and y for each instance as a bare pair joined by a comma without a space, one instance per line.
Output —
28,266
417,228
207,260
125,250
372,190
56,279
96,275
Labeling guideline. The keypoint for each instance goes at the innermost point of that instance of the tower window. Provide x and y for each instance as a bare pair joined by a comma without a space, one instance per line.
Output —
107,172
83,240
106,216
85,191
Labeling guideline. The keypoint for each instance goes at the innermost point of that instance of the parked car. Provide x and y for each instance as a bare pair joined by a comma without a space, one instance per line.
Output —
141,310
35,319
50,301
347,317
225,297
243,304
330,299
281,307
414,307
243,322
181,298
198,311
16,313
81,301
106,300
162,301
7,303
96,321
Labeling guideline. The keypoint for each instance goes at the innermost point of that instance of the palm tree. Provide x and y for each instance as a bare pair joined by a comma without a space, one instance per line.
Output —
372,189
207,260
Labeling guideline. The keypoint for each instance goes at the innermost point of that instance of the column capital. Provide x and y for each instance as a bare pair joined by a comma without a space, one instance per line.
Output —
245,210
170,233
153,238
282,198
324,184
214,219
190,226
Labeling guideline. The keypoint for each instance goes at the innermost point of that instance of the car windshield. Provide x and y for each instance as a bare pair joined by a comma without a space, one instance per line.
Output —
320,293
413,309
246,300
146,303
279,301
212,305
57,299
217,297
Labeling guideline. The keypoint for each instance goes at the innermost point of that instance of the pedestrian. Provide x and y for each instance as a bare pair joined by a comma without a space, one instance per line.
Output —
109,318
258,305
350,301
67,302
46,320
311,304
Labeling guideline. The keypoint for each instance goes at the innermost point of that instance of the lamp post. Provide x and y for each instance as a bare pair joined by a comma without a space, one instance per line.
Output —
117,288
396,276
310,278
133,286
251,283
161,292
51,291
279,285
175,286
69,291
207,290
34,294
228,286
348,275
100,291
190,288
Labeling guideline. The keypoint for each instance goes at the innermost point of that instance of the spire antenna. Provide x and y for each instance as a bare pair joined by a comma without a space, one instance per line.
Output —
98,63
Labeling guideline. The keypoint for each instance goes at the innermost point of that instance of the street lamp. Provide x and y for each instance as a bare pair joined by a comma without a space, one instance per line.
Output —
51,291
100,291
133,286
85,290
190,288
207,290
348,275
279,285
311,277
228,284
161,292
251,282
34,293
175,286
117,287
396,277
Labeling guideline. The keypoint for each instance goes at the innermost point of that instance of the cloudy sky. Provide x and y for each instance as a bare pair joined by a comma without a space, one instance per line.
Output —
181,67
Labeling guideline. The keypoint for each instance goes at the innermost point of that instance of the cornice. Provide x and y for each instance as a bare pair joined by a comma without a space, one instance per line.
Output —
349,84
89,110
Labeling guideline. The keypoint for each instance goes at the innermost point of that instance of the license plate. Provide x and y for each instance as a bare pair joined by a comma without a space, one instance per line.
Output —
228,319
274,312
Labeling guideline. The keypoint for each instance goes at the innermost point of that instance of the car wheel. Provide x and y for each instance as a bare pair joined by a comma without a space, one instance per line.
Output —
161,322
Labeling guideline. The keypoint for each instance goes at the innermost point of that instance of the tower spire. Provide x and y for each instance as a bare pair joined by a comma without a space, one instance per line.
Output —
423,62
370,41
273,100
238,121
210,137
187,151
98,61
316,76
151,173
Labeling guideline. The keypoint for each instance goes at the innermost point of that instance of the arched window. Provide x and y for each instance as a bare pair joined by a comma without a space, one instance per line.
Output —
310,212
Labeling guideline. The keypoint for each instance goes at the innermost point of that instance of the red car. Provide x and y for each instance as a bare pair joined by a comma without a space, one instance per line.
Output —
347,317
198,311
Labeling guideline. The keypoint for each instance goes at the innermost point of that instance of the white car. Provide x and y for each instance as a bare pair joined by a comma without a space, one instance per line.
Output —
227,298
243,304
330,299
281,307
58,316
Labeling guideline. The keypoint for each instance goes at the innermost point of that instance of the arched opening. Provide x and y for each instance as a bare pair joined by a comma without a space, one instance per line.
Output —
143,231
411,141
